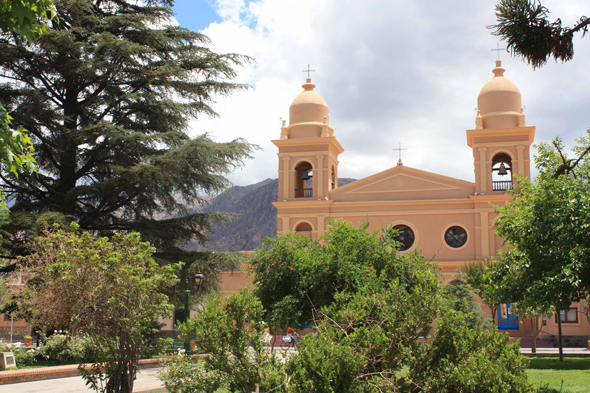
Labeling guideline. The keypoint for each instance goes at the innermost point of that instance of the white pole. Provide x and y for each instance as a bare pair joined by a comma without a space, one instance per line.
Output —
11,326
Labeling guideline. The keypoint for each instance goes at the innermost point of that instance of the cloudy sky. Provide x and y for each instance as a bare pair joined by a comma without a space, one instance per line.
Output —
392,72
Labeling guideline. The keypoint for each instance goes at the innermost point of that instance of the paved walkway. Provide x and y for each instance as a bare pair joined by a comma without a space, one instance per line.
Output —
555,351
146,381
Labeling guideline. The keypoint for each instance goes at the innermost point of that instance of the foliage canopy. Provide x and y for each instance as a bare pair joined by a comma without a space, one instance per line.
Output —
22,16
547,227
108,290
107,95
293,274
523,24
369,322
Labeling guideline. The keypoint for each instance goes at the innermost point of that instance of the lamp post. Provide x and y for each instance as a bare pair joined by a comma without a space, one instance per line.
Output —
199,277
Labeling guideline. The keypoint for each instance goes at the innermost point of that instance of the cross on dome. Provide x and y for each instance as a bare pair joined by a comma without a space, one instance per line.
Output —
498,49
309,71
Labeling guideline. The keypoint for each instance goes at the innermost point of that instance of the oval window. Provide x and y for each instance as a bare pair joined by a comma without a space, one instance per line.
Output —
405,237
456,237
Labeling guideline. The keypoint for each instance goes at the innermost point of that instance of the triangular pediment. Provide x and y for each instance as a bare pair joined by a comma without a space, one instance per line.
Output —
403,182
400,180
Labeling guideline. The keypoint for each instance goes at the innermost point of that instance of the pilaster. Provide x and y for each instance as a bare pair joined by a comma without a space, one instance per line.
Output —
483,181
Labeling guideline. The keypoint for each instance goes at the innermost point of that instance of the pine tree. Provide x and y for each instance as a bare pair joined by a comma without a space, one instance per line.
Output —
107,94
524,25
462,298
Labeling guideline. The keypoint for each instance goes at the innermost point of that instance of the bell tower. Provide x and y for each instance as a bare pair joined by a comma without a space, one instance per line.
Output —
501,140
308,162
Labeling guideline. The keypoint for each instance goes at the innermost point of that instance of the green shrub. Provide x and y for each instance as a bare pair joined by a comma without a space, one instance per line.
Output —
153,342
547,389
325,365
234,346
61,349
184,375
468,360
22,356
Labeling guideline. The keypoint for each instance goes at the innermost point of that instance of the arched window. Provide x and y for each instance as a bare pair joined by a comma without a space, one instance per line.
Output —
333,178
501,172
303,227
304,180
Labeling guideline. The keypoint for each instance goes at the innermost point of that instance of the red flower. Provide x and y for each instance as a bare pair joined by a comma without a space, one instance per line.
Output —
291,268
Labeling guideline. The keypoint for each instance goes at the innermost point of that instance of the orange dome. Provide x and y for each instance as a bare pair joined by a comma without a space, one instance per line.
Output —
499,101
308,107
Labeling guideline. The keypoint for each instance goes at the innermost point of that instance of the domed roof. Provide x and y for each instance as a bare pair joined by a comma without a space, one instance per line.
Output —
499,101
308,107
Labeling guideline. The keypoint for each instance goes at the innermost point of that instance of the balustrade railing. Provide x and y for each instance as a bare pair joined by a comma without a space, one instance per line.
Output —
502,185
303,192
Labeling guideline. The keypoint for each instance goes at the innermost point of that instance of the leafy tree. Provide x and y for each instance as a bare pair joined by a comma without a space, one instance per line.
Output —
16,148
231,332
107,95
293,274
460,359
22,16
461,298
110,291
493,292
547,227
532,311
478,275
524,25
365,338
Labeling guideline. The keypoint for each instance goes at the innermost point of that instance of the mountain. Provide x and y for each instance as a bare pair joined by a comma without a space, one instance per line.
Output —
255,217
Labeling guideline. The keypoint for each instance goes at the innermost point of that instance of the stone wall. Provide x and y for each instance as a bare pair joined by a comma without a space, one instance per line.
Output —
571,341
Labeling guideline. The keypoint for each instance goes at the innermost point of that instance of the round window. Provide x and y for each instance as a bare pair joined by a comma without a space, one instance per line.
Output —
456,237
405,236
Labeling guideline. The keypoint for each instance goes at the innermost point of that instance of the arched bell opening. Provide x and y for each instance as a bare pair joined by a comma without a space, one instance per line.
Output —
304,180
333,178
501,172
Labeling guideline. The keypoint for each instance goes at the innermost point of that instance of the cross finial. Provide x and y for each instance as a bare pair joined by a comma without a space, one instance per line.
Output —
498,49
309,71
400,151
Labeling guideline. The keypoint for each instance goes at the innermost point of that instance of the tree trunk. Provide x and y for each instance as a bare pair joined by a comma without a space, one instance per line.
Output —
494,312
559,336
127,380
535,328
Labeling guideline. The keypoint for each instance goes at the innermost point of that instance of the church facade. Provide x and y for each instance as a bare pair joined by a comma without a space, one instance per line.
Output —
446,219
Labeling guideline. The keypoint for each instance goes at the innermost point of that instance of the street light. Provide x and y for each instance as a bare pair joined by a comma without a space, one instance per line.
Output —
199,277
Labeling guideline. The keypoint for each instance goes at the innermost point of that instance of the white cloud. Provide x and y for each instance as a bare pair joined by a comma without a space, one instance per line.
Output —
391,72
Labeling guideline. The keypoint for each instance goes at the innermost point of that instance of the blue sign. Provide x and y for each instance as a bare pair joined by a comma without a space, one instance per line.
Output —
306,325
506,321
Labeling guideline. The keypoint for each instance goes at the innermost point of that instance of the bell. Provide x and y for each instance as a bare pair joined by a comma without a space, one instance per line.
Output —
306,175
502,170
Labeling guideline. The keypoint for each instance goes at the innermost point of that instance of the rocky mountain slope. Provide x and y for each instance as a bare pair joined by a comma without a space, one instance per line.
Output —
255,217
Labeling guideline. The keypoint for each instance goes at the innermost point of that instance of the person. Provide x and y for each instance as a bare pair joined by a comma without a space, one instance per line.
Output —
314,332
290,333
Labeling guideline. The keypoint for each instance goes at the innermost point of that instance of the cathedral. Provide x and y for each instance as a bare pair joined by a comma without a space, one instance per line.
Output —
446,219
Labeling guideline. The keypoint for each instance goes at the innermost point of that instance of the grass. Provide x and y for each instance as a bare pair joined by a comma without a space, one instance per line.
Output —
44,363
574,372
